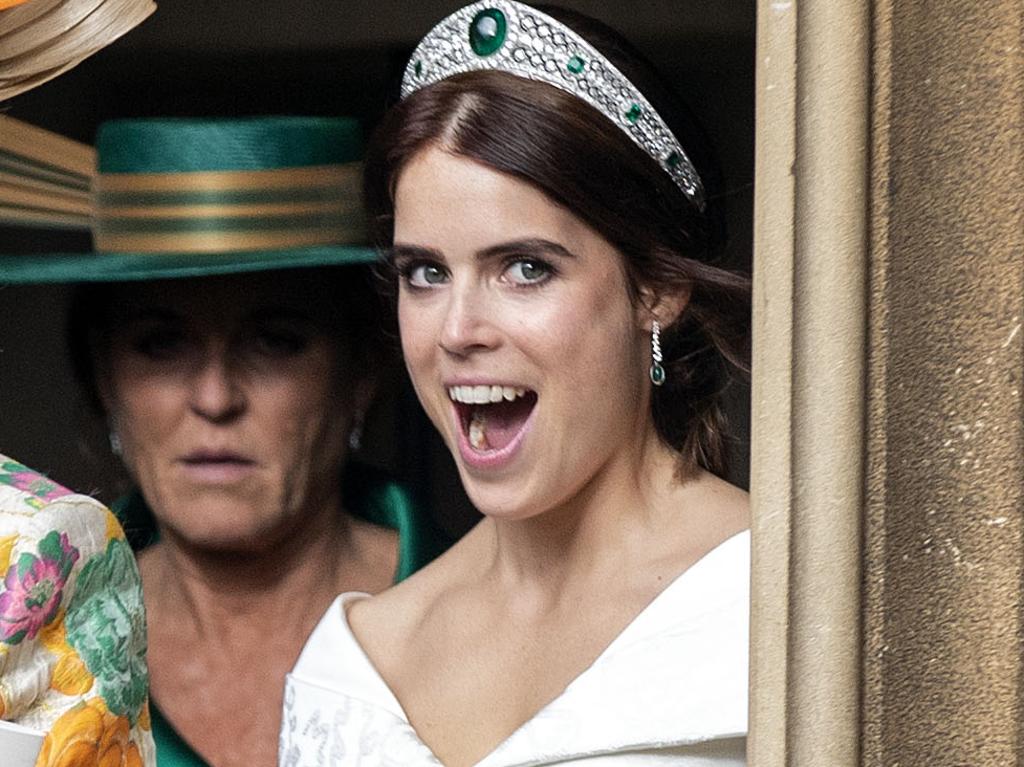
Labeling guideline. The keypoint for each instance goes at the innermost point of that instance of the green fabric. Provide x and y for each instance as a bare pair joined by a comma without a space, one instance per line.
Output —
370,495
257,143
199,145
171,750
130,267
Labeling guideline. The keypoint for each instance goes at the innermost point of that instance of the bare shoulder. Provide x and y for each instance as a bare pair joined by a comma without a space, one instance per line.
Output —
704,512
726,502
393,617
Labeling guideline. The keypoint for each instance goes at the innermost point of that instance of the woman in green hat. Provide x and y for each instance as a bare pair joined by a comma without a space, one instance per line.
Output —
226,329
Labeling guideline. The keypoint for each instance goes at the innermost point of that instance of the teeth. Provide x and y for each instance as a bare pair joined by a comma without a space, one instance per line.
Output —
478,431
483,395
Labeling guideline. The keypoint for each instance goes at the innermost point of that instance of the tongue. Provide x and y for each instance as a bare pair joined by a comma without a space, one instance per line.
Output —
499,423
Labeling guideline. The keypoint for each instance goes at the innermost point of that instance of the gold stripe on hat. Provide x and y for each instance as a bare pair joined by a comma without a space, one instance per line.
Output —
229,211
223,242
219,181
217,211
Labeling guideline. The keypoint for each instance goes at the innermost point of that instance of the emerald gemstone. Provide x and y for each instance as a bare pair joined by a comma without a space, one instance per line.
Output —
418,68
673,160
657,374
634,113
487,31
575,65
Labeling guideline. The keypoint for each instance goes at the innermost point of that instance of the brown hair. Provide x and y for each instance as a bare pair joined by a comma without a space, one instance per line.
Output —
578,158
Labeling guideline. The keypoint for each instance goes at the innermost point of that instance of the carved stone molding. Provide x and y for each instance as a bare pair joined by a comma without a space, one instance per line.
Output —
888,426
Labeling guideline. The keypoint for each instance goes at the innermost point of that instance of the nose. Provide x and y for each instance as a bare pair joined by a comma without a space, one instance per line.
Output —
468,325
216,393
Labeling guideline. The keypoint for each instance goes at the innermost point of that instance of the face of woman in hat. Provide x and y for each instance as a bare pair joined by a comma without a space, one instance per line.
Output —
232,402
519,333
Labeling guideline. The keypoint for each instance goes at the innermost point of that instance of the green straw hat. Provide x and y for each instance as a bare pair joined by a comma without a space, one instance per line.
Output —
192,197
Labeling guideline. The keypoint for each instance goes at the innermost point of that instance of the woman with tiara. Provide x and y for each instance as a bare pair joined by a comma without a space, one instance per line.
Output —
552,224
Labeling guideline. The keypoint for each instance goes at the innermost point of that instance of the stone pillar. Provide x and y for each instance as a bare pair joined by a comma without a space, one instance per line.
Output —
943,544
888,442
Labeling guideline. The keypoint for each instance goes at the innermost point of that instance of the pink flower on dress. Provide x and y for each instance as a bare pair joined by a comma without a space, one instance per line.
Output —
33,588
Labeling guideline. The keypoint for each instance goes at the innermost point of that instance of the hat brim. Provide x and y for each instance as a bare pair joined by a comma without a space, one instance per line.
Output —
130,267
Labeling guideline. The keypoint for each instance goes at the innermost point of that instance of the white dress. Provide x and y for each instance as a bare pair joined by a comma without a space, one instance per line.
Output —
671,689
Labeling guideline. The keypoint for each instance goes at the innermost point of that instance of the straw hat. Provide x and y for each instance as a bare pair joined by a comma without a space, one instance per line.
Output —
193,197
39,39
69,585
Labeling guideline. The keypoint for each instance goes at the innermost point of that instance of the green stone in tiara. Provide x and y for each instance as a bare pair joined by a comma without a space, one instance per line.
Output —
487,32
513,37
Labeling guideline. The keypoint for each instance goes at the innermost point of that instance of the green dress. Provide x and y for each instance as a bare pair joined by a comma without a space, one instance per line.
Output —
368,494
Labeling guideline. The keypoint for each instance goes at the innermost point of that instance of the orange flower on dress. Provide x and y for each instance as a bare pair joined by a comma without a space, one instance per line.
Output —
89,734
70,675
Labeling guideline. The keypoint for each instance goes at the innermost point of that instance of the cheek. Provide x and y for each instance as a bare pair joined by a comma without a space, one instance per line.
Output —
590,334
144,407
418,333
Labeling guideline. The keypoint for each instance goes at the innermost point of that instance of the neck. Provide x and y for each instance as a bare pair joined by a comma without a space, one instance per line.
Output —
611,521
220,591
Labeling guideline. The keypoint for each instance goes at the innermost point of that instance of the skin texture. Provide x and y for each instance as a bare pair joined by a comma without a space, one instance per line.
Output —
232,399
587,522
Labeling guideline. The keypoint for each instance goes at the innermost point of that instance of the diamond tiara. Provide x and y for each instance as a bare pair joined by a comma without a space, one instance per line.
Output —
507,36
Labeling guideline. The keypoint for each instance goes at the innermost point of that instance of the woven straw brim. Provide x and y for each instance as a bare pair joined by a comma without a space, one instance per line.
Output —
40,39
44,178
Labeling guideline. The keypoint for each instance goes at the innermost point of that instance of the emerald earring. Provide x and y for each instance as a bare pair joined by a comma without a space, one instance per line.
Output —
657,371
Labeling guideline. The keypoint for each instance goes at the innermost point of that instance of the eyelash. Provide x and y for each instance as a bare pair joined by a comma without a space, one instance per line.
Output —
546,267
406,270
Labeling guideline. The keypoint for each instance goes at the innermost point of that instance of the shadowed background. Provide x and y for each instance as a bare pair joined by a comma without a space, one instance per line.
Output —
318,57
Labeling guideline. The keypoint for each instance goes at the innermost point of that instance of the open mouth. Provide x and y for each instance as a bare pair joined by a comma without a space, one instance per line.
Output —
492,416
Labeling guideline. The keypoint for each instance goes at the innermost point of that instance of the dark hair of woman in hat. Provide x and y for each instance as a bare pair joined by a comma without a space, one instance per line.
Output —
600,607
234,394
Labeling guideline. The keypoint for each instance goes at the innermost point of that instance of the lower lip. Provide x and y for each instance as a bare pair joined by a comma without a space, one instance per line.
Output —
217,472
491,459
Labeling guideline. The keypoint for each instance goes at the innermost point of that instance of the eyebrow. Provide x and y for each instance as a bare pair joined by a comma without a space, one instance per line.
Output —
260,314
531,246
149,314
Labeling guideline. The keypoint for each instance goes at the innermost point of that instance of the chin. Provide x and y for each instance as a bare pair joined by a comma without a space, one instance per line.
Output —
224,524
506,503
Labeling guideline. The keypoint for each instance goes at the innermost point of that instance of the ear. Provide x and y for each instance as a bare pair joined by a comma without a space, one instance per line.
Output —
666,308
103,385
363,393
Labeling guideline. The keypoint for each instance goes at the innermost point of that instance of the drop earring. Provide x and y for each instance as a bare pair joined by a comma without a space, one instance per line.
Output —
355,435
657,371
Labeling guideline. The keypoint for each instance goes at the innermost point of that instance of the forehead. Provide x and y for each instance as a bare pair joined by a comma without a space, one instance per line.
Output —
448,202
229,298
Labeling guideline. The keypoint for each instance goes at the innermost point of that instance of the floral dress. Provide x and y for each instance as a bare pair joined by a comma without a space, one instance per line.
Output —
72,627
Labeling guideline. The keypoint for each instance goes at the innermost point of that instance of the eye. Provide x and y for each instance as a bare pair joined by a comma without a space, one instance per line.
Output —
159,343
528,271
424,274
277,341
